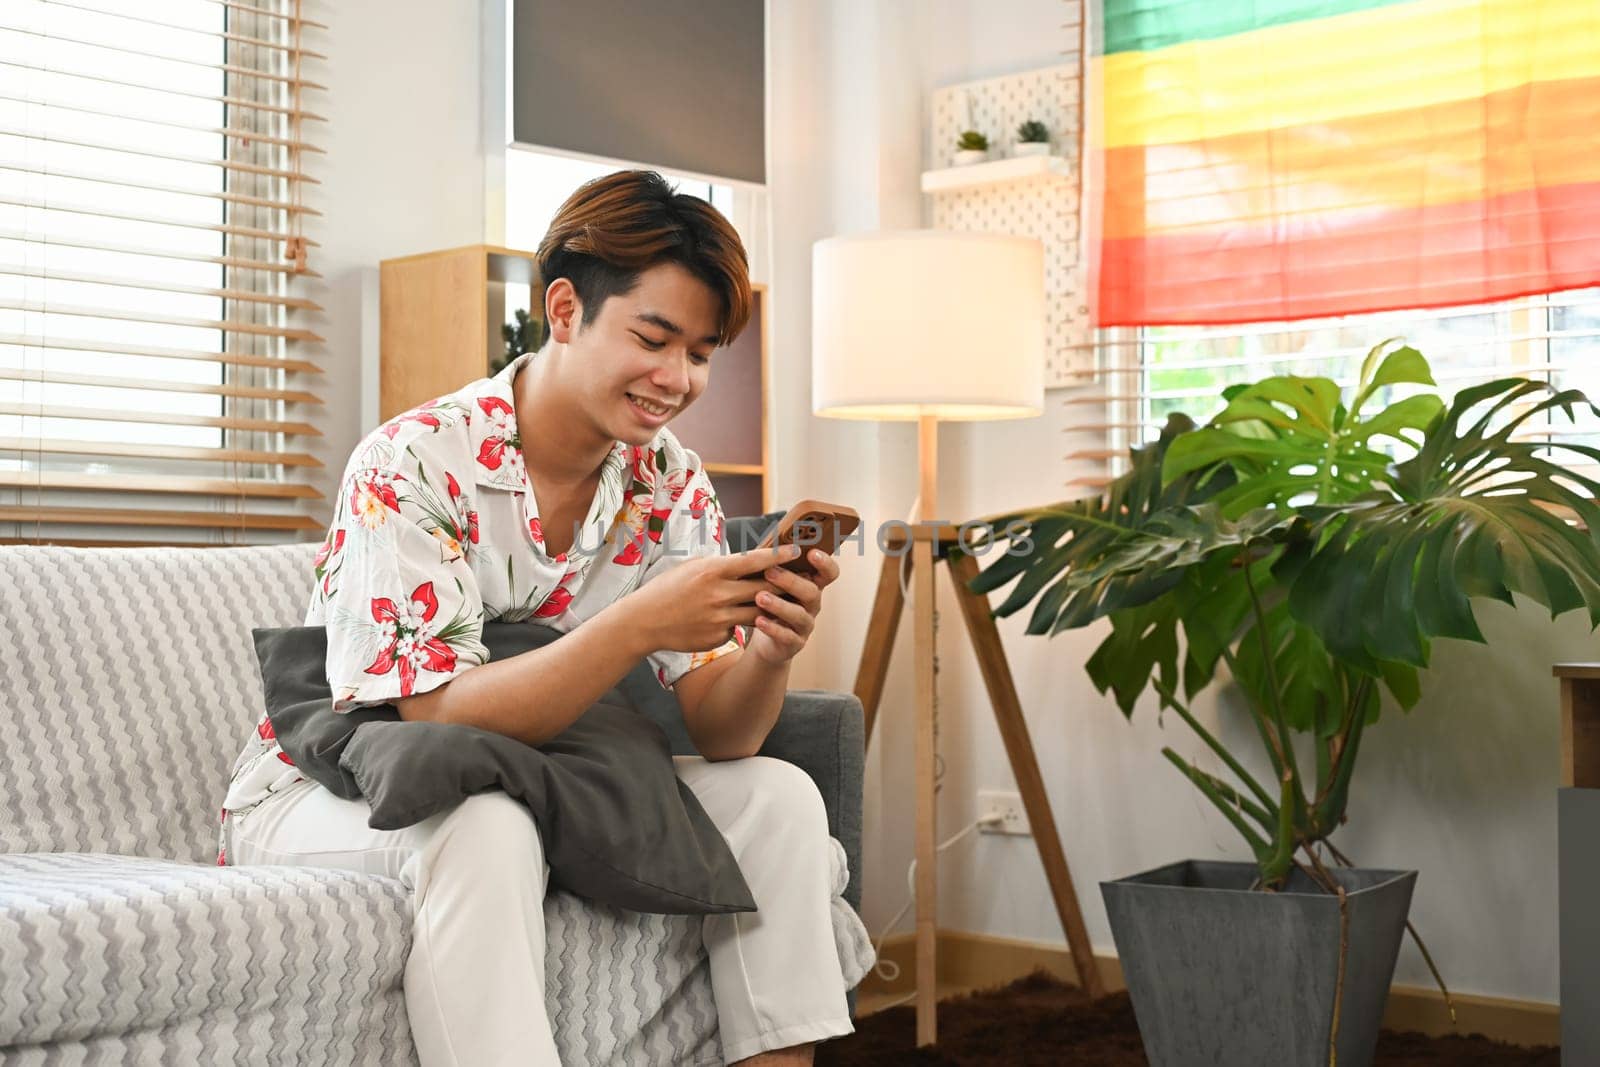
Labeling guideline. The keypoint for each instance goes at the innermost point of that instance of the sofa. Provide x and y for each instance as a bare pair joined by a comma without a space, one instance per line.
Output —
127,685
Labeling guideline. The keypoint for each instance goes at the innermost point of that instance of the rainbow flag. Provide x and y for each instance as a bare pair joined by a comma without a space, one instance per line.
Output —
1282,159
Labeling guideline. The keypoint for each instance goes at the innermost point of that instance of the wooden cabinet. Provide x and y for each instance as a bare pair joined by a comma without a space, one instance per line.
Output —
1578,862
439,327
727,426
436,331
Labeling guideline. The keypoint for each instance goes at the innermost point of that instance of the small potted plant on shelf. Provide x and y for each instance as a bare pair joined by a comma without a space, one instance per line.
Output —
1316,544
1032,139
971,147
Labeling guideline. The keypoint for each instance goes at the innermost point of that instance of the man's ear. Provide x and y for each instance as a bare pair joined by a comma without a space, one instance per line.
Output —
563,311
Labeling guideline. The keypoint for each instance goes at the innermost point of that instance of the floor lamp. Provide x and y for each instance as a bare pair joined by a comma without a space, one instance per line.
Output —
925,325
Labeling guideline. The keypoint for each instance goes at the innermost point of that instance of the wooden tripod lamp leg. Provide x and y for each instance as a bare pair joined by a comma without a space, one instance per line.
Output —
881,630
927,881
1024,765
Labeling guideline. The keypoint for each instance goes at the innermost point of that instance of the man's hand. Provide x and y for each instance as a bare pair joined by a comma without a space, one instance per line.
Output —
786,622
694,606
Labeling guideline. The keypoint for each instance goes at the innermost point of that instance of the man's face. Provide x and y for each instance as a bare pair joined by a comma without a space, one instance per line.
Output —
647,356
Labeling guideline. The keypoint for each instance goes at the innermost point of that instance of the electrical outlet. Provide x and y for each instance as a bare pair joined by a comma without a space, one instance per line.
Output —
1008,806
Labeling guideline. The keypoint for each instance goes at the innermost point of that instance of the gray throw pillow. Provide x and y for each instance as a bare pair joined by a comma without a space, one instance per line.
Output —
617,824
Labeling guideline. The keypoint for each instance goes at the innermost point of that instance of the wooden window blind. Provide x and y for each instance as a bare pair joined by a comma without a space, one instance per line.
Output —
158,317
1150,372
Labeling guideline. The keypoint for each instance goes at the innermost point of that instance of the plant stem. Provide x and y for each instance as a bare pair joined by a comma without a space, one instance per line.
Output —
1330,809
1268,818
1338,987
1427,957
1258,845
1294,797
1275,867
1217,747
1324,877
1339,743
1271,669
1324,748
1256,717
1318,872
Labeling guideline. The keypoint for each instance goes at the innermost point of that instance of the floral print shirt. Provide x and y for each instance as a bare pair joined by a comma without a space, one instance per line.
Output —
436,531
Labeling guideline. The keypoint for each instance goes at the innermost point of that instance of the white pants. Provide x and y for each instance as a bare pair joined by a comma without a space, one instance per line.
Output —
474,980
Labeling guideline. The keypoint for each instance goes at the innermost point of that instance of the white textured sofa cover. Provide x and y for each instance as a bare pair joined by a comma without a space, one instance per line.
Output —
127,686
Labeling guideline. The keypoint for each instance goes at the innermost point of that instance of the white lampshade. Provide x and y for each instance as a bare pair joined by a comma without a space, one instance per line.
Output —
910,323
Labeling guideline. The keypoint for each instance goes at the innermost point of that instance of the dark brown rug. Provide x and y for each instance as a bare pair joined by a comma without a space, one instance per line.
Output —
1037,1021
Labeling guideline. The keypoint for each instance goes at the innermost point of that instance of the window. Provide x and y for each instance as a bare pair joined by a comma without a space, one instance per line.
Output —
153,264
1154,371
538,183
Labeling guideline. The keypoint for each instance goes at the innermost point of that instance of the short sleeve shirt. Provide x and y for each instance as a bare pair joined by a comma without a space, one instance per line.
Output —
436,531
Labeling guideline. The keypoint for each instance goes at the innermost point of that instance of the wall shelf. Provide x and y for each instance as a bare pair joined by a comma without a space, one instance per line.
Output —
1035,195
734,468
994,172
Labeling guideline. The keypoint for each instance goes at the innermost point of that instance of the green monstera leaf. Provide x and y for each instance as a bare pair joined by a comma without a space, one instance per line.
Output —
1051,549
1479,511
1153,555
1318,548
1292,440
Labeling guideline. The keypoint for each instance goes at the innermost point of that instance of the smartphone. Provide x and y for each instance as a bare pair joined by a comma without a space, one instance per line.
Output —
812,524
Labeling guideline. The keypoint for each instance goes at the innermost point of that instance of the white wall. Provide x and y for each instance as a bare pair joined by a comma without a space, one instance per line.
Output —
1462,789
829,152
404,173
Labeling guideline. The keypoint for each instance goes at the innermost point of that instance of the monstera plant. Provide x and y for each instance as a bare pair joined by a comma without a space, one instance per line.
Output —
1316,542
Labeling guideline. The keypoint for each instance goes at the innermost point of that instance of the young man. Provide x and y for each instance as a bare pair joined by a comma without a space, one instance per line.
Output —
554,491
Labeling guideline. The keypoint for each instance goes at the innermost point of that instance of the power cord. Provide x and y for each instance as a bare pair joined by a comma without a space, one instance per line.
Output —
893,969
888,970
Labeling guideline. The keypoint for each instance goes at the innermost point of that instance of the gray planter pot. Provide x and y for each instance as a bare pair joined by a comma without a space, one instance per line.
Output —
1222,975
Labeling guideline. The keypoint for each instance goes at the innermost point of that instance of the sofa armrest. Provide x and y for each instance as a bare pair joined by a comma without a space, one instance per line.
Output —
821,732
